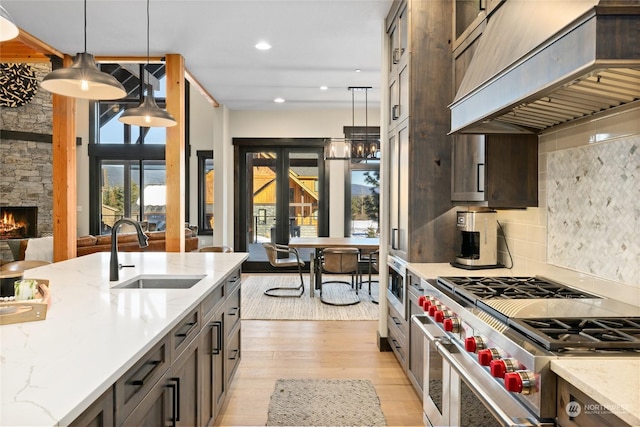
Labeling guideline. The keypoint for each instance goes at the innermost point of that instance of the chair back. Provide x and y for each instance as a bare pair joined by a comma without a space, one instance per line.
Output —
270,248
340,260
221,249
22,265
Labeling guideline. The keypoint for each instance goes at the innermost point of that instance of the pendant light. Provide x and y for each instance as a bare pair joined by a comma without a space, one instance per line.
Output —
147,114
342,148
83,79
8,29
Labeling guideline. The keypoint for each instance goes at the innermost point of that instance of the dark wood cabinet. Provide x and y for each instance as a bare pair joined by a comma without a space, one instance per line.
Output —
420,90
498,171
99,414
184,383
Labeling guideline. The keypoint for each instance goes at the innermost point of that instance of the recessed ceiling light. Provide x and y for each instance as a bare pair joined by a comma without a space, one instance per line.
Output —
358,70
263,46
278,100
324,87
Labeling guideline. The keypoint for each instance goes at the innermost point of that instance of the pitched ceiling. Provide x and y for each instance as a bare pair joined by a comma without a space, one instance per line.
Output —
315,43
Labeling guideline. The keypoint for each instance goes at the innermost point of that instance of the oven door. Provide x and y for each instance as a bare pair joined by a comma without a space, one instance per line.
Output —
477,400
436,383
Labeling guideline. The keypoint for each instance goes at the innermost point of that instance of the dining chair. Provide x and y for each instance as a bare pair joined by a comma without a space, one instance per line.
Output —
369,257
292,260
340,261
221,249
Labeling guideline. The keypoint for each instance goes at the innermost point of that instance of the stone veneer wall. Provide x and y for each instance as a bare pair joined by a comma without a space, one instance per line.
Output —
26,176
588,216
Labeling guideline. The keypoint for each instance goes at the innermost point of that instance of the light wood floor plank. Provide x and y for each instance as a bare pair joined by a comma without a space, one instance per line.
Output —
315,349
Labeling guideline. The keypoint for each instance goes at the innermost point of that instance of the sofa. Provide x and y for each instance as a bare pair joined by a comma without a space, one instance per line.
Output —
127,242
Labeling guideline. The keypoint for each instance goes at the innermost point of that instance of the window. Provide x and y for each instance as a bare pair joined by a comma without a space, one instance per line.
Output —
363,186
205,191
127,169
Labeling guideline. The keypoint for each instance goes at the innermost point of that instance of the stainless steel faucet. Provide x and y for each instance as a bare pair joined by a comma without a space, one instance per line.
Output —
114,266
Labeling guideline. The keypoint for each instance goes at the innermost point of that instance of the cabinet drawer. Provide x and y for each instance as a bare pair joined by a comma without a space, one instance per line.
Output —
397,342
99,414
232,355
212,302
232,310
140,379
184,332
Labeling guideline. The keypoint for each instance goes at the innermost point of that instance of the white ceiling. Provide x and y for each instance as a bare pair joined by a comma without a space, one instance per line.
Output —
315,43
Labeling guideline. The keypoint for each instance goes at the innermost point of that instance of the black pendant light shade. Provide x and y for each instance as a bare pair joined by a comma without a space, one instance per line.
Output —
83,79
148,114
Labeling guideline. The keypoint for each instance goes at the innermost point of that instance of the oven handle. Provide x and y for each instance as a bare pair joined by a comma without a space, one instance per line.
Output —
492,405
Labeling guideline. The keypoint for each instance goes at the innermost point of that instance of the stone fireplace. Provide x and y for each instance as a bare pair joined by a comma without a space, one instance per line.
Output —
26,175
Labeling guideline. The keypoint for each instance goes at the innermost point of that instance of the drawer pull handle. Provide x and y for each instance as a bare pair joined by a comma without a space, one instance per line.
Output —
234,311
234,354
395,112
192,326
154,364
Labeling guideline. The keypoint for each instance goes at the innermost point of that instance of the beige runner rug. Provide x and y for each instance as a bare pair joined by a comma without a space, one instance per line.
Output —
257,306
325,402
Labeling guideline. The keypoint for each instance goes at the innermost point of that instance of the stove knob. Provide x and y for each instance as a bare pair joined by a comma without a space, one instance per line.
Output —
520,382
432,309
421,299
499,367
472,344
487,355
426,304
452,324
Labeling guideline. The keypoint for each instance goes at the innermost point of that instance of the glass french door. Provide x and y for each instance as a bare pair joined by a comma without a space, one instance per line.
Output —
280,196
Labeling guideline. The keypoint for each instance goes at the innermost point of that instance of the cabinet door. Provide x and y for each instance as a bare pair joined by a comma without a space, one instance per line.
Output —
99,414
399,190
154,410
212,367
184,383
468,172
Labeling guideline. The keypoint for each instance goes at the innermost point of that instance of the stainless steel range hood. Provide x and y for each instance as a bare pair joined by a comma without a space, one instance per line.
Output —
540,63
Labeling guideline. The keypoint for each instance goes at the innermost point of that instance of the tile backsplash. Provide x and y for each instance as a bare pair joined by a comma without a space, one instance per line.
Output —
593,209
588,219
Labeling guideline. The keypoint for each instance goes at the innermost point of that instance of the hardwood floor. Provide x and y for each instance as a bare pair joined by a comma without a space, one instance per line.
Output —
315,349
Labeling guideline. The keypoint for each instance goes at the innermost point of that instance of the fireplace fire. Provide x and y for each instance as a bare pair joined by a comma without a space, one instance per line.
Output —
18,222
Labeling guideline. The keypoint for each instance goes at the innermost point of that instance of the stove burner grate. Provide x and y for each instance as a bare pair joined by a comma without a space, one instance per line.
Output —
573,333
479,288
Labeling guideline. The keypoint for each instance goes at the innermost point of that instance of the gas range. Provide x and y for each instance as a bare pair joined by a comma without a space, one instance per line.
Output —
510,328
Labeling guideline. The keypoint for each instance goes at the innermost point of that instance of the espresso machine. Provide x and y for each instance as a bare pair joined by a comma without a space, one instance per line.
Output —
477,240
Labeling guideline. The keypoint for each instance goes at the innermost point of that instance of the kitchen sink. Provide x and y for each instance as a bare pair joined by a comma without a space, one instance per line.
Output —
160,282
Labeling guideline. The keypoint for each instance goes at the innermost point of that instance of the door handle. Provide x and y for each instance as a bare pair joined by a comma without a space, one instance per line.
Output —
218,325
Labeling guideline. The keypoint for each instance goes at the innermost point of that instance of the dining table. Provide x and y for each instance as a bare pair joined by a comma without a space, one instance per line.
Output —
320,243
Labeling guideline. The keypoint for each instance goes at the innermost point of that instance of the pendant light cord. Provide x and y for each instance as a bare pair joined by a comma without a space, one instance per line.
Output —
146,71
85,26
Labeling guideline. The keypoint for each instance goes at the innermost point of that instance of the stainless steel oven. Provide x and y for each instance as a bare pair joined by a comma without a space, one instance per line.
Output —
455,393
397,284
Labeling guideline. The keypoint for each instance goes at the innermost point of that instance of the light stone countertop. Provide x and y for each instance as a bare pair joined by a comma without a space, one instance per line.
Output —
612,382
52,370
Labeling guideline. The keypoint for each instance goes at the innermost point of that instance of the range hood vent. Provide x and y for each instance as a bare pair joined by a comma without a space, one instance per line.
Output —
546,62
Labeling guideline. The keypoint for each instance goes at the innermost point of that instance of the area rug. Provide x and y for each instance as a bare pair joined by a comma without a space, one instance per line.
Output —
325,402
257,306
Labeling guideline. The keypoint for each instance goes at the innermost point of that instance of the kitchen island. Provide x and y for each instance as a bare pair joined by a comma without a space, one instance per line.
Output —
53,370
